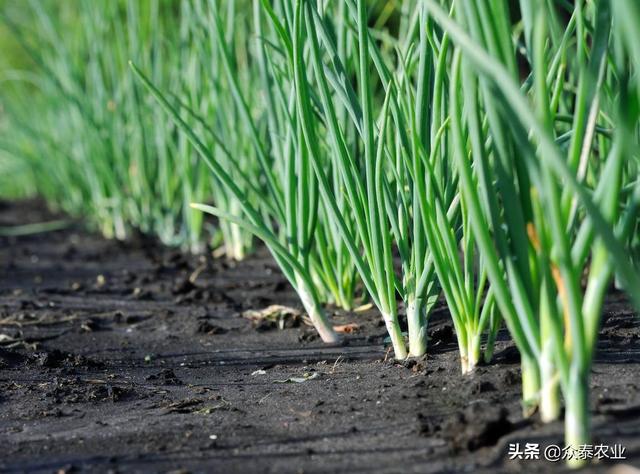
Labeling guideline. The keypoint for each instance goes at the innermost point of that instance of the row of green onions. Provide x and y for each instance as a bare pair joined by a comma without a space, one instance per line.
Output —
439,149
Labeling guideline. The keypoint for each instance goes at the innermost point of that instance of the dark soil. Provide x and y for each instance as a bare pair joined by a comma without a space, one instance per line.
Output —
113,360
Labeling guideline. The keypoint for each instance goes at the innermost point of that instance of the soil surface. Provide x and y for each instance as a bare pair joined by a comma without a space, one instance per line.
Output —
135,358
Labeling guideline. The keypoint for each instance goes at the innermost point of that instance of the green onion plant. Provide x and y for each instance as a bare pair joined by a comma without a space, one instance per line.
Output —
555,218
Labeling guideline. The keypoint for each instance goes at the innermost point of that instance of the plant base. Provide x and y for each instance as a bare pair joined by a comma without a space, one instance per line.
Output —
317,315
549,391
469,359
397,339
577,421
530,386
417,330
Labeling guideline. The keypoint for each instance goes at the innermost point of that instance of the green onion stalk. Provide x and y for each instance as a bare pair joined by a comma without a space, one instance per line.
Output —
443,221
408,212
288,218
404,189
331,265
368,174
362,190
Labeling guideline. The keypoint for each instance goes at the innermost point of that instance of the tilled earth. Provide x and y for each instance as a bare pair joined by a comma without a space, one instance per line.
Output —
129,357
